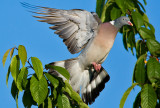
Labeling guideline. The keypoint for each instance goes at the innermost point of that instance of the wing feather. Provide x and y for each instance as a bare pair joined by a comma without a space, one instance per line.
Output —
76,27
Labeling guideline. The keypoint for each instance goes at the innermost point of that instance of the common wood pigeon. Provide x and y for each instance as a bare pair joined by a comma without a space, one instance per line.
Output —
79,30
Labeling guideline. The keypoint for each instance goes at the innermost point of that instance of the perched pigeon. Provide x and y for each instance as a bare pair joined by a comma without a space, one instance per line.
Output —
79,30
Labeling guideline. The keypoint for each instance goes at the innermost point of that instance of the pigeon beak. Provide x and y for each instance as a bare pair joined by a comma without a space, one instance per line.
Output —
130,23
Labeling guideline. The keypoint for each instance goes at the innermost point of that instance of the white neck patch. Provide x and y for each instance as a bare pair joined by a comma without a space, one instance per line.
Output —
112,22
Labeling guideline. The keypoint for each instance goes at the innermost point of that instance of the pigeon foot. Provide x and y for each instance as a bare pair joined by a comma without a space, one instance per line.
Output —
97,67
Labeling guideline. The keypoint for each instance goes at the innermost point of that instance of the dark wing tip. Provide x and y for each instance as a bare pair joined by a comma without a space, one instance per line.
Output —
29,6
36,9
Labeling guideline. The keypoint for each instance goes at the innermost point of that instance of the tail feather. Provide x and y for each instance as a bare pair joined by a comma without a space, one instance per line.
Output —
95,86
91,81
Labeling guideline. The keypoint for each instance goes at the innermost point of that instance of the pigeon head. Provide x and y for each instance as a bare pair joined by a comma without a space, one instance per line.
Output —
121,21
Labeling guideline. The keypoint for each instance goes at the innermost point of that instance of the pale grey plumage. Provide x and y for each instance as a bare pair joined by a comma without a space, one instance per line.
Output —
75,22
79,30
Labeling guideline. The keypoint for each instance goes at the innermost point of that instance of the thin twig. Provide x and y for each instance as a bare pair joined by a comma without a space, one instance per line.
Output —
30,64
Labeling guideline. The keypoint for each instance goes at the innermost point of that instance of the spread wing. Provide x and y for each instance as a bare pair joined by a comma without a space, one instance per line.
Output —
76,27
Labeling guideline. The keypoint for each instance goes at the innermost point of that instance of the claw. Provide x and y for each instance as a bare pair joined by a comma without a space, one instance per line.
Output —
97,67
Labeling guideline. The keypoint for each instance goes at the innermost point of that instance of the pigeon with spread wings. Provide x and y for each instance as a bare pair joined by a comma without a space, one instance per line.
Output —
83,31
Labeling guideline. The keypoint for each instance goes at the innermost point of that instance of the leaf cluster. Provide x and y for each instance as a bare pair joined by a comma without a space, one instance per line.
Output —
38,86
140,37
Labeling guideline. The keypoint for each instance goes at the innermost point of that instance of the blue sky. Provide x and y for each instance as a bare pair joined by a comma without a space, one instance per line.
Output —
18,27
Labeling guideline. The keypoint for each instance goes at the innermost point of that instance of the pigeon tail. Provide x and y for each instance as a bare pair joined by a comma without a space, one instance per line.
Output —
89,80
96,84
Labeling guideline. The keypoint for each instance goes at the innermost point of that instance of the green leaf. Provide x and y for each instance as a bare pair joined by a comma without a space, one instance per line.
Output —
153,70
63,101
7,76
146,33
153,46
141,48
138,48
67,90
129,4
27,99
59,69
11,53
140,71
148,97
131,40
54,94
21,77
115,13
39,89
151,27
52,79
37,66
146,20
83,105
74,95
22,54
137,7
5,57
125,95
145,2
14,90
49,102
25,81
125,40
99,7
14,67
137,102
121,4
137,19
141,6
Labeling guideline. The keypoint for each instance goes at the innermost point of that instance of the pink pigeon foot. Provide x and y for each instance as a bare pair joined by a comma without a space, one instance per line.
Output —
97,67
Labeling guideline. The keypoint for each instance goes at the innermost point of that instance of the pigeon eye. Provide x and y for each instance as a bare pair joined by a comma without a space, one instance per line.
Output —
123,19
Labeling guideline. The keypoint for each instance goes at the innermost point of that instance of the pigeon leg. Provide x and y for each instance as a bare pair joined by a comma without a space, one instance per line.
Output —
97,67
